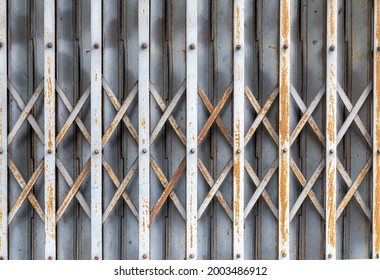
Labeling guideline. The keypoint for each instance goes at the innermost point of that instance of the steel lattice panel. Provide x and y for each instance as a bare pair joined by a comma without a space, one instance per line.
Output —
184,129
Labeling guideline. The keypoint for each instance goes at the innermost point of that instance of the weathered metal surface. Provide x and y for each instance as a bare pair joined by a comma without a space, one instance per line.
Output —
189,129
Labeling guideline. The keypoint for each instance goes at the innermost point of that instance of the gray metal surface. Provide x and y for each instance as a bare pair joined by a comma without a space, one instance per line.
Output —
184,129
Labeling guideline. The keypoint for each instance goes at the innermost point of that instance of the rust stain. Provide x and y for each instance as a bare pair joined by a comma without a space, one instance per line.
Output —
143,123
238,24
285,21
331,204
331,22
237,179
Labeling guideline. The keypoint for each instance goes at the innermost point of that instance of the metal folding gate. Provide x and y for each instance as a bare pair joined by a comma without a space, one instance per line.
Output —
185,129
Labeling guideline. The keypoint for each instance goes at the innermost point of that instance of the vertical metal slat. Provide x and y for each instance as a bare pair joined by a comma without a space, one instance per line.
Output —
144,129
3,133
191,129
376,135
96,130
284,129
331,129
238,131
49,115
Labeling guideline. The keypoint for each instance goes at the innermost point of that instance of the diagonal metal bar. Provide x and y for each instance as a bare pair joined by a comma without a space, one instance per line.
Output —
306,189
354,113
307,114
353,188
359,123
260,188
134,134
32,121
25,192
25,112
20,180
340,166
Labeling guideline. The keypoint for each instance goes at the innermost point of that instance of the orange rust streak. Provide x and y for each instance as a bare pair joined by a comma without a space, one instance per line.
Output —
177,174
331,205
332,21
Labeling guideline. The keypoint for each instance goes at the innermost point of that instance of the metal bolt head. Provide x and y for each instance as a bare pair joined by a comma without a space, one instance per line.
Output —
378,151
332,151
238,47
330,255
96,46
96,258
145,256
283,255
332,48
49,151
285,46
144,151
1,258
238,256
144,45
378,48
50,258
377,256
96,151
238,151
192,151
191,256
192,47
284,150
49,45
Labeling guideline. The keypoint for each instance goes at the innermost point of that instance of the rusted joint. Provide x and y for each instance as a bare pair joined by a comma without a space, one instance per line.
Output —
192,151
192,47
96,46
238,47
285,46
191,256
49,45
331,151
283,255
332,48
50,258
329,255
144,46
145,256
96,151
49,151
96,258
284,150
238,256
144,151
238,151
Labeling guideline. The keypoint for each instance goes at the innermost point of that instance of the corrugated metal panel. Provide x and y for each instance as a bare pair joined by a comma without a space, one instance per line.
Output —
184,129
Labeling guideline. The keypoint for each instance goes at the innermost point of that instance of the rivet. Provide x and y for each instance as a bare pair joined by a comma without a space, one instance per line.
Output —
285,46
332,48
50,258
1,258
1,44
284,150
378,151
145,256
96,46
191,256
96,151
144,151
144,45
96,258
238,151
378,256
238,256
331,151
330,255
283,255
238,47
49,45
378,48
49,151
192,47
192,151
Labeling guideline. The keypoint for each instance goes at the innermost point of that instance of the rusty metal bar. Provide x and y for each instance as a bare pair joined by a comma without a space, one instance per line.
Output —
144,129
376,135
3,133
238,131
284,129
96,130
191,129
331,127
49,115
